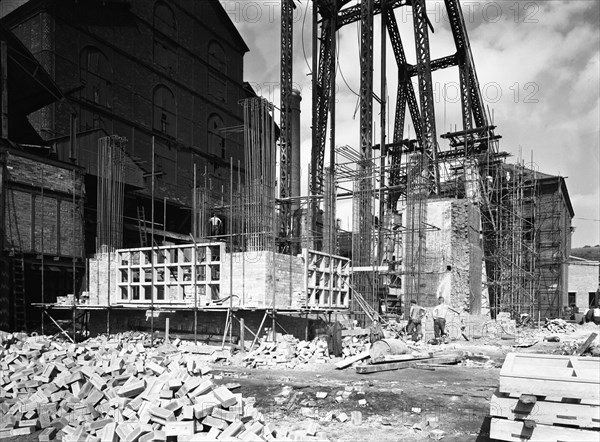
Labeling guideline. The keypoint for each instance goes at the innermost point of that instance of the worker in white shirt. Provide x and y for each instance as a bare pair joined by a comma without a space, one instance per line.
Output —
439,313
215,224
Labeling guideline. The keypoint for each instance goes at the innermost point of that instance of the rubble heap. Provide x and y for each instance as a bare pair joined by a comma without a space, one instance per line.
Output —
559,326
288,351
110,389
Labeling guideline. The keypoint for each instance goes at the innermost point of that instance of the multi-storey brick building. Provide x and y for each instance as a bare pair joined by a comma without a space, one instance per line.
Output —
171,71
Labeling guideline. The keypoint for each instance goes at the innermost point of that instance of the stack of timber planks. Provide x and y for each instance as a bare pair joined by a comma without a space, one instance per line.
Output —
547,398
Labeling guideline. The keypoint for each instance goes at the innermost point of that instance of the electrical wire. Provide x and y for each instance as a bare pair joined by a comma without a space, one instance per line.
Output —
302,39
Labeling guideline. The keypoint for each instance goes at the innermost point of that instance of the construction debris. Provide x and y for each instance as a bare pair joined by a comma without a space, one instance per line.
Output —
119,389
289,352
559,326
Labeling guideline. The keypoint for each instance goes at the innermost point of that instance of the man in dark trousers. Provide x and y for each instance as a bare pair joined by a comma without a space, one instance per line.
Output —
415,316
440,312
215,224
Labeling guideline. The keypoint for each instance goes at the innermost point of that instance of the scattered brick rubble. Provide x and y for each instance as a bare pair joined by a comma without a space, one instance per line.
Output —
289,352
559,326
120,389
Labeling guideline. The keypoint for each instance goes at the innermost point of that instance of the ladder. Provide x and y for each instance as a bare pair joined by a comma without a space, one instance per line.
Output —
369,311
19,301
141,216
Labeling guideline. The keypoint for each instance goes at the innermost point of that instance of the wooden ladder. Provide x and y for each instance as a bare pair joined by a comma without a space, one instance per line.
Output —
19,301
141,217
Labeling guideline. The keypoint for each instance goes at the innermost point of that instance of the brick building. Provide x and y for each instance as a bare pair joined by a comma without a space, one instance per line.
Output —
171,71
584,280
41,213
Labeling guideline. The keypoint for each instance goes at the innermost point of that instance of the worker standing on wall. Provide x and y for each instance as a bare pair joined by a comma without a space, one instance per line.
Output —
215,224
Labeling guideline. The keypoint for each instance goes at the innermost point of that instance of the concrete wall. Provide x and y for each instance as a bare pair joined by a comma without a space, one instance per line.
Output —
253,283
583,280
102,278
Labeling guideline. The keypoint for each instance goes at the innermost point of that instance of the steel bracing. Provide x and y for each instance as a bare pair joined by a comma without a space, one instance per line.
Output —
410,170
287,38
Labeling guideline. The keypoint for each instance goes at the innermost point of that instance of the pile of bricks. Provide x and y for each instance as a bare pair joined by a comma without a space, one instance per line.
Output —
559,326
289,352
353,345
118,390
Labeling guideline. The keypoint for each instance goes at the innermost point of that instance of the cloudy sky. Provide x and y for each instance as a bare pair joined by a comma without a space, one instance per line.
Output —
537,63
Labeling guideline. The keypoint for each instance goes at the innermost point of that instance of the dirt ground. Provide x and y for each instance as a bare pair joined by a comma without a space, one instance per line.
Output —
400,405
413,404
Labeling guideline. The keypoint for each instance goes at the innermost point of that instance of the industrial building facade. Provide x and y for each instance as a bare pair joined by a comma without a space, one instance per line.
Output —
162,86
151,77
172,71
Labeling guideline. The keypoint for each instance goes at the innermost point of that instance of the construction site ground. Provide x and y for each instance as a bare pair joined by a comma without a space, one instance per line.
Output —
441,402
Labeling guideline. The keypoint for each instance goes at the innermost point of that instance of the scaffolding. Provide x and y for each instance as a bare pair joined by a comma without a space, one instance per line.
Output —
111,166
246,205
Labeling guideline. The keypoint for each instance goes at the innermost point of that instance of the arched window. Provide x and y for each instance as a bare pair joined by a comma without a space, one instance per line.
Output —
96,77
164,19
164,110
216,57
165,30
217,82
216,140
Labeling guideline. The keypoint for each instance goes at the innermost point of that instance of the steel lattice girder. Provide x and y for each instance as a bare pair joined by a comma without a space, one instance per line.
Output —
429,139
406,92
285,121
471,94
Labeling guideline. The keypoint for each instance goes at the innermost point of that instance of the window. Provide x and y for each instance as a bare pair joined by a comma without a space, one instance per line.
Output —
217,84
165,31
96,77
216,141
572,298
164,20
164,106
216,57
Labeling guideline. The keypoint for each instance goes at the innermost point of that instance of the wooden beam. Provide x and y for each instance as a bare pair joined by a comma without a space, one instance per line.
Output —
545,412
583,347
507,430
442,360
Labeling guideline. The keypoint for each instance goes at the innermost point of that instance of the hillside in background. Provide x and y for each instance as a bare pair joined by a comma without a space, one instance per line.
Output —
590,253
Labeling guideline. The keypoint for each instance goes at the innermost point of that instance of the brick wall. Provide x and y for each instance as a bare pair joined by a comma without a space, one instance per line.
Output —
59,36
42,224
454,242
253,274
583,280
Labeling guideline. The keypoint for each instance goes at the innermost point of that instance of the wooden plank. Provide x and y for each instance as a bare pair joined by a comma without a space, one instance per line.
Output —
544,412
507,430
399,358
583,347
352,359
355,332
375,368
